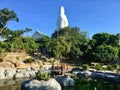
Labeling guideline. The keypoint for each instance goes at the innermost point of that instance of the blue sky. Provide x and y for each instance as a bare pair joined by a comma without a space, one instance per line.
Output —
92,16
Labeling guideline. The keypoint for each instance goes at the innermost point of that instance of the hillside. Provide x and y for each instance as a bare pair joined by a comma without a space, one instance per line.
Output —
24,60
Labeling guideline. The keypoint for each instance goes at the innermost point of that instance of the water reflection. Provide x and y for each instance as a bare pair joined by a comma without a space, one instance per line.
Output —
10,84
80,84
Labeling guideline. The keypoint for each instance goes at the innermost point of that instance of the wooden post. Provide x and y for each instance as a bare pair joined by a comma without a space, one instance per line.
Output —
62,71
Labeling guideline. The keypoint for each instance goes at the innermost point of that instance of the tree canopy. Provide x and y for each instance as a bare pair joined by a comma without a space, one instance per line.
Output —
6,16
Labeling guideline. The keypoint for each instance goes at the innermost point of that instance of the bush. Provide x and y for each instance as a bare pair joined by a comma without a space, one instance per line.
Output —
2,54
42,76
29,60
115,66
98,66
109,67
85,66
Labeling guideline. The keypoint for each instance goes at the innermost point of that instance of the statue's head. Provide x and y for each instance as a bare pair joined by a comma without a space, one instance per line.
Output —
62,10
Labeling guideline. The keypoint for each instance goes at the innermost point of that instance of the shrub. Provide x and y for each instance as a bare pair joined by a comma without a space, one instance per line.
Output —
109,67
98,66
2,54
115,66
85,66
42,76
17,57
29,60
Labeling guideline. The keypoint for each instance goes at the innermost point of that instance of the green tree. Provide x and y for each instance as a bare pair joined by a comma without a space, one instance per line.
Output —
45,44
101,38
70,42
106,53
101,45
61,47
6,16
30,45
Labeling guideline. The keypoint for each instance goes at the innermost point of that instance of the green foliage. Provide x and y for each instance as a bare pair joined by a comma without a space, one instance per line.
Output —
70,43
6,16
61,47
13,40
30,45
101,38
85,66
42,76
104,47
2,54
45,44
98,66
20,43
109,67
29,60
106,53
116,66
17,57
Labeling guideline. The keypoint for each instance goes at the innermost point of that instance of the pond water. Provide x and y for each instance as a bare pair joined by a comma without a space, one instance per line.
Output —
10,84
80,84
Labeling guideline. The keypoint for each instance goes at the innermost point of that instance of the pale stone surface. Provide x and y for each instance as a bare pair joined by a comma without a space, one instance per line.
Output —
51,84
18,75
62,21
2,75
10,73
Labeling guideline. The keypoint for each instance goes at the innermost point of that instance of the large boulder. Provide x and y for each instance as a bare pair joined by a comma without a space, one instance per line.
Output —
65,80
34,84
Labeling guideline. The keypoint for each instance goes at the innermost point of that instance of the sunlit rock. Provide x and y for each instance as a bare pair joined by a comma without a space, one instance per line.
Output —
34,84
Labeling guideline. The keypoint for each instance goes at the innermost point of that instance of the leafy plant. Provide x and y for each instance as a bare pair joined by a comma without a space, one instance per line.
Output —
2,54
85,66
42,76
98,66
109,67
17,57
29,60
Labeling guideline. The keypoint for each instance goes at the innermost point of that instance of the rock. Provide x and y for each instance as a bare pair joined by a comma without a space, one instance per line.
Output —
84,73
28,69
76,70
18,75
33,84
26,74
18,71
32,73
109,77
89,73
65,80
35,69
10,73
2,74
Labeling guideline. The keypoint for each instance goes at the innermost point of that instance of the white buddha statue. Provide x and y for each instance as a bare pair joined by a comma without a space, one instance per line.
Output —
62,21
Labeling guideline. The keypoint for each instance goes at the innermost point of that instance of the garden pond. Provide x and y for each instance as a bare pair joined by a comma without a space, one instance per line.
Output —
80,84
